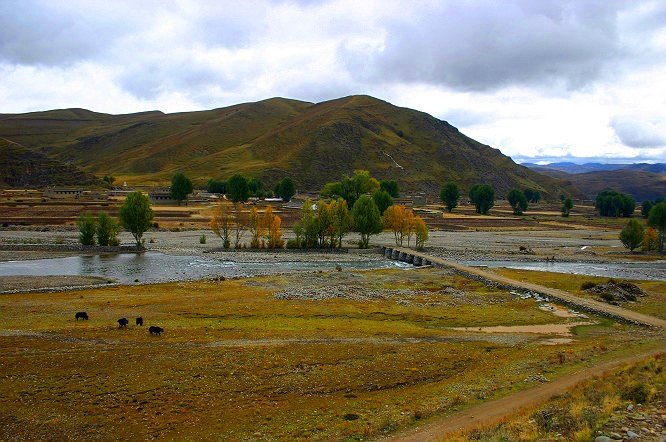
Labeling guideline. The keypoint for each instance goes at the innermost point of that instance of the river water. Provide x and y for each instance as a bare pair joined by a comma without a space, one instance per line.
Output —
652,270
153,267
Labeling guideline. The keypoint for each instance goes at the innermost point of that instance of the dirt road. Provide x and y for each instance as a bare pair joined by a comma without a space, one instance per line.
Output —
494,411
561,295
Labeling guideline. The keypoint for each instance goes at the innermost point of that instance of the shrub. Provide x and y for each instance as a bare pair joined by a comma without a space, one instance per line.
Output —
588,285
107,229
293,244
86,225
202,239
637,392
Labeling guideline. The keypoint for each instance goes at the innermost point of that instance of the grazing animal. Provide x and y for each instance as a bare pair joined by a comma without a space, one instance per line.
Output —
139,321
81,315
122,322
155,330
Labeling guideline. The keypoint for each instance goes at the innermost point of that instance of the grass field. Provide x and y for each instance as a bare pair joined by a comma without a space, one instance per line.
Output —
652,304
237,362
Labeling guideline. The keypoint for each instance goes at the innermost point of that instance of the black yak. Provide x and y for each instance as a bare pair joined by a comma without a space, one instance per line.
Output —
155,330
122,322
139,321
81,315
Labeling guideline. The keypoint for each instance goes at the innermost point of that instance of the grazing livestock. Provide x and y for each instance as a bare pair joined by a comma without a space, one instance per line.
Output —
122,322
81,315
155,330
139,321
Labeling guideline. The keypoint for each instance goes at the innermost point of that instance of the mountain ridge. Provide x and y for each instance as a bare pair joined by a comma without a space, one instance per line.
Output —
269,139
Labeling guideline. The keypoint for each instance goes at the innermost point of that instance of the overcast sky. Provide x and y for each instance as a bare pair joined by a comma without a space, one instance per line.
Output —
538,79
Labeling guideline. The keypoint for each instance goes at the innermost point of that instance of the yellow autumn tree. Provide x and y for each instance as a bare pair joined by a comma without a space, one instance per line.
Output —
272,229
408,226
256,228
222,222
421,232
650,239
393,220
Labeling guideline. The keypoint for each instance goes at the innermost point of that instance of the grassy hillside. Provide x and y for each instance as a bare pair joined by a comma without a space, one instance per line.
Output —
22,167
641,184
313,143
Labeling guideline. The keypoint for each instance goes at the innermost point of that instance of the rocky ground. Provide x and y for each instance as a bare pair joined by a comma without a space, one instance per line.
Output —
636,422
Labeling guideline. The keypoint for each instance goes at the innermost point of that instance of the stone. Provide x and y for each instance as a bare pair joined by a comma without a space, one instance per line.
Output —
603,439
630,407
616,436
632,435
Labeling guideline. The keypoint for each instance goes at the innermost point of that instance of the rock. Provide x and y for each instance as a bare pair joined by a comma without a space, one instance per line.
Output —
616,436
632,435
630,407
603,439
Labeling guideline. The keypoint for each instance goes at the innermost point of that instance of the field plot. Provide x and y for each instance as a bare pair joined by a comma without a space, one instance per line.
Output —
326,355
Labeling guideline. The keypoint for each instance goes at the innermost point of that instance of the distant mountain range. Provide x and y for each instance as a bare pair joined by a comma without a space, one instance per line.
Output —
641,180
270,139
597,167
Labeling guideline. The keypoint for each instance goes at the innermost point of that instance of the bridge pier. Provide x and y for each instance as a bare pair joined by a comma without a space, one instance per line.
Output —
410,258
387,252
395,254
417,261
402,257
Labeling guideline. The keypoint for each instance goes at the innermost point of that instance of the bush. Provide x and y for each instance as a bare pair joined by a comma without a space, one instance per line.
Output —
293,244
637,392
202,239
107,229
86,224
588,285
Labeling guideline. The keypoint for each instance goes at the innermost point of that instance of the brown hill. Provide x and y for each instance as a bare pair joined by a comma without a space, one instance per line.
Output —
22,167
313,143
641,184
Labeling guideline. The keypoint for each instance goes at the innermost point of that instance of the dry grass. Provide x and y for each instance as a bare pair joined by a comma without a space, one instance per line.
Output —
235,363
654,304
580,412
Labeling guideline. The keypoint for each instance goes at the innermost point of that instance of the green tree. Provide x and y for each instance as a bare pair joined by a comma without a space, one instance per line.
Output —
657,220
107,230
367,220
632,234
136,215
109,179
351,188
567,205
483,197
181,186
382,199
517,200
532,195
450,195
256,187
645,208
285,189
237,189
86,225
612,203
342,219
215,186
391,187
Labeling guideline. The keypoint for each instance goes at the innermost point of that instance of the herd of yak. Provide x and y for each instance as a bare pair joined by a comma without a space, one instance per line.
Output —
122,323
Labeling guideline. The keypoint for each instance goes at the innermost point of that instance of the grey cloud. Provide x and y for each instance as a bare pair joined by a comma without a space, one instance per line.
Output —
639,133
488,45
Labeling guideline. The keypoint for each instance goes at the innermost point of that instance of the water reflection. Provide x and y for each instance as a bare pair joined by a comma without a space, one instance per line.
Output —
156,267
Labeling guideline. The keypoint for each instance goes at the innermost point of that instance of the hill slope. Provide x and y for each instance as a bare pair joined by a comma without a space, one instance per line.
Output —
313,143
22,167
641,184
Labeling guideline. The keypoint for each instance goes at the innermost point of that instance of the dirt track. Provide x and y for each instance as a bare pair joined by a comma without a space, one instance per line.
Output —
561,295
494,411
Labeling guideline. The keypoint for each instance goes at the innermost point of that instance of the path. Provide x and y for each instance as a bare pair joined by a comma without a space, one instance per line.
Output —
561,295
492,412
